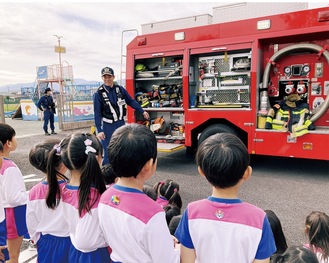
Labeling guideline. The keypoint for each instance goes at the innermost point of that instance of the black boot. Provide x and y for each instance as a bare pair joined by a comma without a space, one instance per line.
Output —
53,132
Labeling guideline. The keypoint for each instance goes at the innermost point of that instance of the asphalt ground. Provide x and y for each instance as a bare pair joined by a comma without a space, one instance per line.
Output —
292,188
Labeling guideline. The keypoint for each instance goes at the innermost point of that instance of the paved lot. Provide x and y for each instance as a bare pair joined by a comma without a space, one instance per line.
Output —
290,187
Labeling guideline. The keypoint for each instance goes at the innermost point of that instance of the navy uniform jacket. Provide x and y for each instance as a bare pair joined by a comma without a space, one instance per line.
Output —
46,103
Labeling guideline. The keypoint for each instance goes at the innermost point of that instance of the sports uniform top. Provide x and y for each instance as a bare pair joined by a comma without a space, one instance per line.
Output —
135,227
43,220
162,201
85,232
226,230
2,211
13,190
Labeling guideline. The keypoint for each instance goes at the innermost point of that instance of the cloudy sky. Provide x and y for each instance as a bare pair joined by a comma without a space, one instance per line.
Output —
91,33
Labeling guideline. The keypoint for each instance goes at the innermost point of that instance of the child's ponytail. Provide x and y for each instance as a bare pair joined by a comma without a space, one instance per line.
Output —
53,195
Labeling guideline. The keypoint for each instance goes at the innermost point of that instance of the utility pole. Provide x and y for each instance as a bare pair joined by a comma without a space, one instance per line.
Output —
60,50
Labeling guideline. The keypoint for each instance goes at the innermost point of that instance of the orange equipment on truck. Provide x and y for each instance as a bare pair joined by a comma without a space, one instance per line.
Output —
237,77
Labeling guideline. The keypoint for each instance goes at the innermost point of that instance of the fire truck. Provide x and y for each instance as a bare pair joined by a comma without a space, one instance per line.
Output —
228,77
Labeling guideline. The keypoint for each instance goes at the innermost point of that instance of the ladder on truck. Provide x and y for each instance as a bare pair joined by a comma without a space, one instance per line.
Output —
124,42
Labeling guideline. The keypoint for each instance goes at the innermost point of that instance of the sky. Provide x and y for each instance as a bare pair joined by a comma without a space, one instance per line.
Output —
90,32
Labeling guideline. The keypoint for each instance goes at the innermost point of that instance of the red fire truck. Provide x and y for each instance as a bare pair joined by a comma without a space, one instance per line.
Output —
229,77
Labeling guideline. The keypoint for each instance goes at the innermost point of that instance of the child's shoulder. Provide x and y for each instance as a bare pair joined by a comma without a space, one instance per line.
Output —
8,163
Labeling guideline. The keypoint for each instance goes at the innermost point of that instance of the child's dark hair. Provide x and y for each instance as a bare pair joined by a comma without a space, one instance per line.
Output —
6,133
108,174
317,230
171,211
173,224
223,158
295,254
78,152
39,153
1,147
169,189
279,237
130,148
150,192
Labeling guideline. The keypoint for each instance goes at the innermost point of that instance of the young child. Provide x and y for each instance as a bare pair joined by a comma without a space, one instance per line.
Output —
108,174
295,254
173,224
44,219
13,194
168,193
133,224
317,232
3,232
81,154
222,228
279,237
150,192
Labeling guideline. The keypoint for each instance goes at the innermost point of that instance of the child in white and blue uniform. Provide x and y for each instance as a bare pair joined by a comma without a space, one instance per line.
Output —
222,228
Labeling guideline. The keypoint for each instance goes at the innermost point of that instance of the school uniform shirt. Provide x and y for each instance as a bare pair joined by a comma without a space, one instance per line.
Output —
13,190
85,232
162,201
226,230
42,220
135,227
14,197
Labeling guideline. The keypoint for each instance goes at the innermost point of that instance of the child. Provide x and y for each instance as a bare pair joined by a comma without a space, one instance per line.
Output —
108,174
133,224
168,193
44,220
13,194
81,154
150,192
3,232
173,224
222,228
279,237
317,232
295,254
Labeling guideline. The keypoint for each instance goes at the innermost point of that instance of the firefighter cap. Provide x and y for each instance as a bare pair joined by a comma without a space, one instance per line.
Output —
107,71
47,89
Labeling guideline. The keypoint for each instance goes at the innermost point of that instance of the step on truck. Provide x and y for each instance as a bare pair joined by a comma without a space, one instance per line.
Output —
264,79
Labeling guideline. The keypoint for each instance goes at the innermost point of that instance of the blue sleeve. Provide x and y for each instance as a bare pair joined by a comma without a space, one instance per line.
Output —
182,232
40,103
97,111
266,246
131,102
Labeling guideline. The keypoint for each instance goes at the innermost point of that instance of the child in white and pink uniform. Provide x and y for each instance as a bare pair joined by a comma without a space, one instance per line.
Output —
44,219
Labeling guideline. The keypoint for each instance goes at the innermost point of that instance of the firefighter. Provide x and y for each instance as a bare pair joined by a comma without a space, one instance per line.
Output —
290,115
110,102
47,105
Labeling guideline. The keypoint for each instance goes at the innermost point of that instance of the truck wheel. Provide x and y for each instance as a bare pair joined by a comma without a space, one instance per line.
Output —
215,128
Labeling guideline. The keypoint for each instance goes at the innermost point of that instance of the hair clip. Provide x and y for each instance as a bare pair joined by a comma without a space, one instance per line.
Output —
175,190
57,147
88,142
90,149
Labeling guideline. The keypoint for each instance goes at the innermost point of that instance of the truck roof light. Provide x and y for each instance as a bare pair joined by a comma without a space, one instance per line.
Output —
179,36
263,24
323,16
141,41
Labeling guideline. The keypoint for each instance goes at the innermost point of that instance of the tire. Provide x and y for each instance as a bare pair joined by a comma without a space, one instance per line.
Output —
215,128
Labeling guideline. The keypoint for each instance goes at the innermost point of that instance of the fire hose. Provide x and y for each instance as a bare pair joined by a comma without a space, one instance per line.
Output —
292,49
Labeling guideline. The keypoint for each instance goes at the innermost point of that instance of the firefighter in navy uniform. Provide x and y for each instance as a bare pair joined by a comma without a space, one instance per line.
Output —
110,102
47,105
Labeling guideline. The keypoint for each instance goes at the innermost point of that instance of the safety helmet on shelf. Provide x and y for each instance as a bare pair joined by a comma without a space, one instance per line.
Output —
140,67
